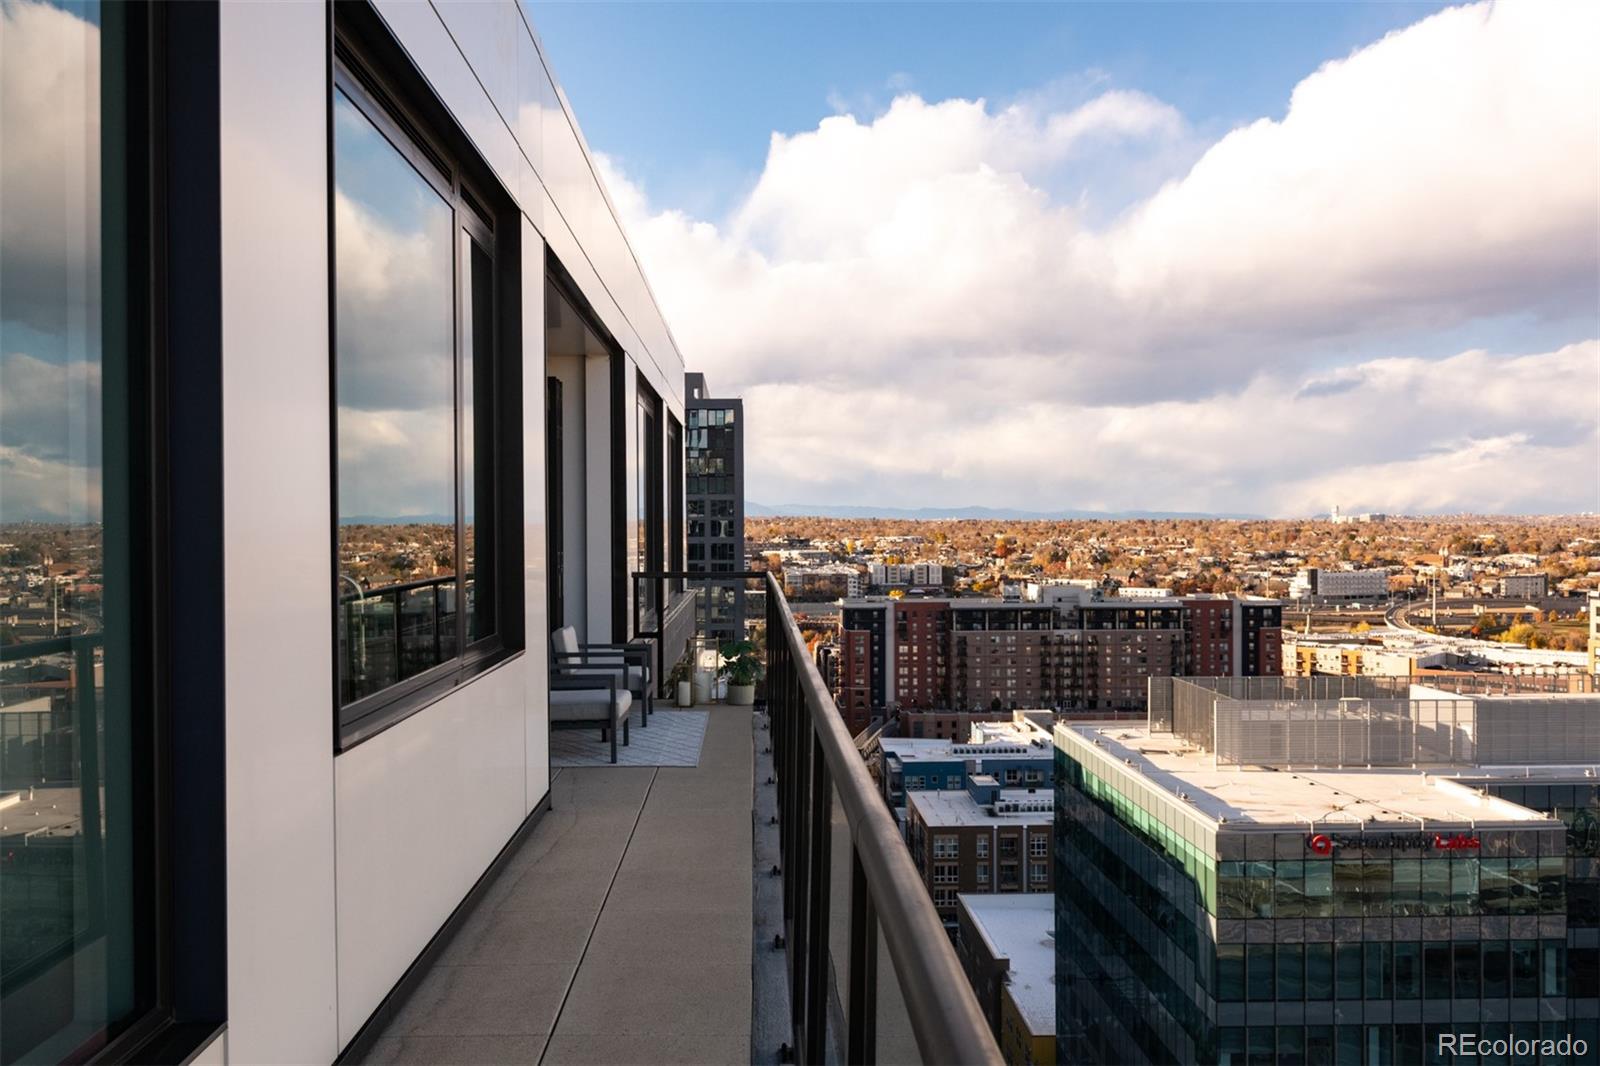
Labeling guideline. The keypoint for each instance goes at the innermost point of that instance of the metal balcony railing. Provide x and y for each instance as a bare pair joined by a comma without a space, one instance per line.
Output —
872,973
57,746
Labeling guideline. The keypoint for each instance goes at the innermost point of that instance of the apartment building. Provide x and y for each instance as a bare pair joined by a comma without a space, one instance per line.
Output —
983,838
713,457
1015,753
1002,655
1006,944
1121,646
869,619
824,581
921,631
853,689
1313,583
918,575
1258,621
944,724
1523,586
1069,648
1594,632
1208,635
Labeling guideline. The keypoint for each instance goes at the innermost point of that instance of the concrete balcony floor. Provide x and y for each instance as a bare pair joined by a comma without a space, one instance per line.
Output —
619,931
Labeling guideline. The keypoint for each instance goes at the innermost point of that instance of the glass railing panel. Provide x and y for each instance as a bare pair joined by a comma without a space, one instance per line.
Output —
419,630
368,646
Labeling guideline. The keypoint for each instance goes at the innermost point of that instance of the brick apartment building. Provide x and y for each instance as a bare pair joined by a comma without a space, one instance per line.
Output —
1080,651
853,689
984,838
1208,636
921,644
1260,626
1000,656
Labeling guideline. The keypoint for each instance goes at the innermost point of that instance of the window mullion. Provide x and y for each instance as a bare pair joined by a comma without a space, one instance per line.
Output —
458,246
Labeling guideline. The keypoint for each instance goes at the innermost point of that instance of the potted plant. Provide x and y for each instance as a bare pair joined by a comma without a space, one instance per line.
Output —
742,668
678,681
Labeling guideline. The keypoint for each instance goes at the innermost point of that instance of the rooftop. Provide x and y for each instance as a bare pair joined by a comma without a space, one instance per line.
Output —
952,809
1020,927
988,740
1396,797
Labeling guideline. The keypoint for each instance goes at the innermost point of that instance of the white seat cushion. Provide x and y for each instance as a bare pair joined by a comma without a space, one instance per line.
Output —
587,704
564,641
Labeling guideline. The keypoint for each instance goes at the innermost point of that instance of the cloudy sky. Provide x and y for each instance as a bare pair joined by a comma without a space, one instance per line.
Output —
1249,258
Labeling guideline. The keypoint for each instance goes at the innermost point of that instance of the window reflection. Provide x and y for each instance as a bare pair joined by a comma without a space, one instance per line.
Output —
415,391
72,845
395,380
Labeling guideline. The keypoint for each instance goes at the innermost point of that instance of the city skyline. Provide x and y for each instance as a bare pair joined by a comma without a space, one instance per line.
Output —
1371,283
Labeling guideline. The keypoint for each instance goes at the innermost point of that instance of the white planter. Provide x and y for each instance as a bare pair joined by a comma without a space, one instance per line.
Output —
703,682
685,694
741,695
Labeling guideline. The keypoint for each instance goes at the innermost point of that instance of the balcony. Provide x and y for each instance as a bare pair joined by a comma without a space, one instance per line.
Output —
759,906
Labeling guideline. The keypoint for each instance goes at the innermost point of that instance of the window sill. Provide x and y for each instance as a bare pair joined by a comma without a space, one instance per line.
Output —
387,715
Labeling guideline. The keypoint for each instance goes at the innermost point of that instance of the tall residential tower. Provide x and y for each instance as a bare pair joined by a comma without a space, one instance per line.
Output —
715,471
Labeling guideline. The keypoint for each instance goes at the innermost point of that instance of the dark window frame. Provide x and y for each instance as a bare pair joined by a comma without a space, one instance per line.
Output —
370,71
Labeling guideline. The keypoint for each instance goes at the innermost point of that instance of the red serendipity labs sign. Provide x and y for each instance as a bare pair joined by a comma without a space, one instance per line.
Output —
1325,843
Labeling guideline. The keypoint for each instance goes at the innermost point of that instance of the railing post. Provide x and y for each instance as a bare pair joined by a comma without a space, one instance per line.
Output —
861,1044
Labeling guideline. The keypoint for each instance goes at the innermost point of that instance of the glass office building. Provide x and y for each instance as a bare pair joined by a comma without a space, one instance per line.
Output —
1209,912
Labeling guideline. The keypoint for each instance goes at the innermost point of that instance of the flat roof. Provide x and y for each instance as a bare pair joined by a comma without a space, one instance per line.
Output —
1020,927
1397,798
955,808
917,749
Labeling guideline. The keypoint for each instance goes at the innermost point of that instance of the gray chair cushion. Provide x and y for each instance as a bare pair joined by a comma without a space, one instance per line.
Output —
564,641
638,676
587,704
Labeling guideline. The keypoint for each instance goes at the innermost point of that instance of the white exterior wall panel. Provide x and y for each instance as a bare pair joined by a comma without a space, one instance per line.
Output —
341,869
423,808
277,515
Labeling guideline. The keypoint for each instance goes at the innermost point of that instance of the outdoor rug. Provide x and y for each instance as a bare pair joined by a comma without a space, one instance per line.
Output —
672,738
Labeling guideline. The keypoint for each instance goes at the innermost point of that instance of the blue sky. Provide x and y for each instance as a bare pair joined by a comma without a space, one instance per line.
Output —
1239,258
688,93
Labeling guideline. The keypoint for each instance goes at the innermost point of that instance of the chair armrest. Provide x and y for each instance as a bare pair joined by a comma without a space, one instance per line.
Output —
632,646
579,662
591,679
636,654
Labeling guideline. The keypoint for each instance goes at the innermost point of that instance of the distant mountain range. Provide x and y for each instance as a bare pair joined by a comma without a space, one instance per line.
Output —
399,520
815,510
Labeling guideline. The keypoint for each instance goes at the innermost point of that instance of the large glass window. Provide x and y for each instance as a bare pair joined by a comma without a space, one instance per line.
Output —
77,822
416,388
649,521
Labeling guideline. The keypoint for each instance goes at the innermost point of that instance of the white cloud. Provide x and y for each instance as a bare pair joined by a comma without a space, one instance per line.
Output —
925,274
396,462
1473,431
49,168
